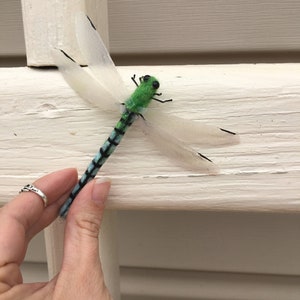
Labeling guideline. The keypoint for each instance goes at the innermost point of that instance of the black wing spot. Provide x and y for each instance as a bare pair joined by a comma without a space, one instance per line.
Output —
92,24
230,132
67,55
203,156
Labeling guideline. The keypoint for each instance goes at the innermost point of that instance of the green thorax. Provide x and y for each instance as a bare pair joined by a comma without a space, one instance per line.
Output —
143,94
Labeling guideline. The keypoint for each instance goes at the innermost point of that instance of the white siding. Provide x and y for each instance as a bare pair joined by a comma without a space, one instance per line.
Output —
228,30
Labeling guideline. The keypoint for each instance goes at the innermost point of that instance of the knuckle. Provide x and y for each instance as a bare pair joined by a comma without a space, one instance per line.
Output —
88,225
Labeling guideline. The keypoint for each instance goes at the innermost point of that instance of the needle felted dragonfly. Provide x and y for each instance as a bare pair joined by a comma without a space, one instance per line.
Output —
100,84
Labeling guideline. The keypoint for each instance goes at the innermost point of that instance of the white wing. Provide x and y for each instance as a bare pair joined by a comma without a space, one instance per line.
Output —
192,132
177,150
104,86
98,58
83,83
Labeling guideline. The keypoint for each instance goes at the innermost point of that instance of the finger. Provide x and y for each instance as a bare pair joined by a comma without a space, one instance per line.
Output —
19,216
82,229
50,213
28,207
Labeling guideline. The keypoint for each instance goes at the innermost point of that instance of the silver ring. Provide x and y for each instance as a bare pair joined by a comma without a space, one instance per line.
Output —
32,188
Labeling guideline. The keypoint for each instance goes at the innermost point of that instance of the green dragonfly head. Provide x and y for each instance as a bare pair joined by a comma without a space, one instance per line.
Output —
143,94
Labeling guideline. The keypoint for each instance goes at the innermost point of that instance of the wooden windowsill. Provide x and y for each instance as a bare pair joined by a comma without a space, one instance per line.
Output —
45,127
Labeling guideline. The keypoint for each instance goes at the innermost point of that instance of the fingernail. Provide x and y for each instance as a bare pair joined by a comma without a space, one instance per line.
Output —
101,190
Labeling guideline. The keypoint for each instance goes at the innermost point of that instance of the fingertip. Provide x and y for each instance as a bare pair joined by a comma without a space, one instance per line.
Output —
91,198
101,190
83,222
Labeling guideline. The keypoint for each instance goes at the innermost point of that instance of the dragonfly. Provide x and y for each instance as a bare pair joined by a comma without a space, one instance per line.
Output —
99,83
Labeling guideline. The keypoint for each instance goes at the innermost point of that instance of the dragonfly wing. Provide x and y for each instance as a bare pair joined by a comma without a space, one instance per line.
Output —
97,57
84,84
193,132
176,150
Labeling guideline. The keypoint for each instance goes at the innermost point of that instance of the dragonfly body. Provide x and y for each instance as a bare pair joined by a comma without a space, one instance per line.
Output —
102,86
134,106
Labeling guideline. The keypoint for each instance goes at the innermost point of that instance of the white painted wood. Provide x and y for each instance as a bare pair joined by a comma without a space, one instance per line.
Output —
54,240
50,24
47,25
47,127
109,253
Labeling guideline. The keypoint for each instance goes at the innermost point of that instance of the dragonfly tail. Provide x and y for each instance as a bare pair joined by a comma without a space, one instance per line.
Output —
100,158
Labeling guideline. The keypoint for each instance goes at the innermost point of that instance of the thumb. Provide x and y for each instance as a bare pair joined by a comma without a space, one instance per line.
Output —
81,262
81,246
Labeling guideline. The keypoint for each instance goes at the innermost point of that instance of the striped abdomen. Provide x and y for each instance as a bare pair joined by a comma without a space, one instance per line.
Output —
103,154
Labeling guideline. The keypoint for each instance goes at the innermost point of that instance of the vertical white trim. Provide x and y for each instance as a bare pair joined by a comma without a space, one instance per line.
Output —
109,253
50,24
54,239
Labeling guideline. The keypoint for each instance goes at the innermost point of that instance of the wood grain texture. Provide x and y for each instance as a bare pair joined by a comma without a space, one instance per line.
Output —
45,127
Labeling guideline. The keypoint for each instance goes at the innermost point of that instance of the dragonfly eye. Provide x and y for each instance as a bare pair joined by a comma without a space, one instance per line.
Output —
146,77
155,84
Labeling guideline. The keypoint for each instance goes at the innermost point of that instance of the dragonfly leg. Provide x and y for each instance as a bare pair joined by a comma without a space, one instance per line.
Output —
133,79
162,101
157,94
140,115
230,132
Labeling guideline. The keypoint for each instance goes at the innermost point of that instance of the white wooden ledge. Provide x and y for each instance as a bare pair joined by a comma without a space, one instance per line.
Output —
45,127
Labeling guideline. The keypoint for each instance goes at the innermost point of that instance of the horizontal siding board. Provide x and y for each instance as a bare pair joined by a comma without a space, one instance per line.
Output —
149,284
34,272
146,284
187,27
211,241
36,252
11,28
191,26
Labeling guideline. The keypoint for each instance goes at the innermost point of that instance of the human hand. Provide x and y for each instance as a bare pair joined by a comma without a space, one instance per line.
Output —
25,216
